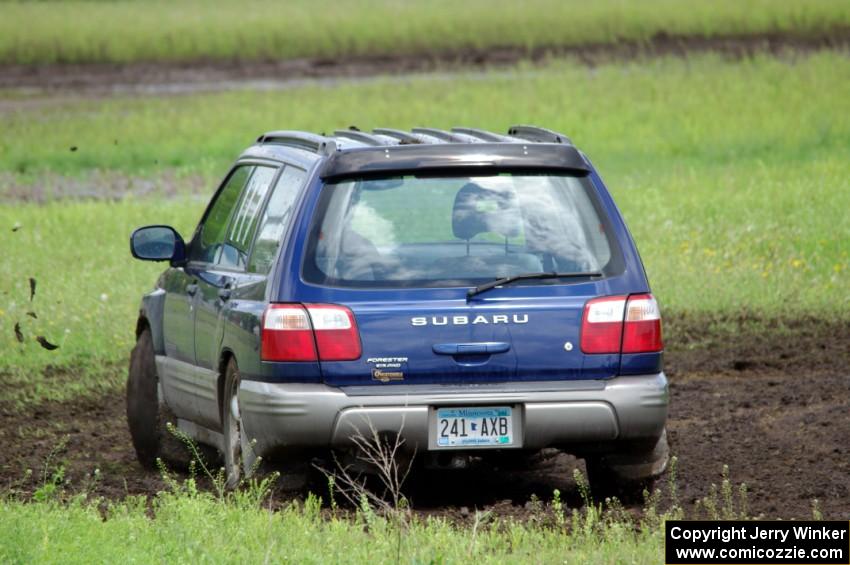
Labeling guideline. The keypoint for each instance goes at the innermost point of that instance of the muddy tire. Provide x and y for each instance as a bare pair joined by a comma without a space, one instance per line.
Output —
627,475
238,456
146,415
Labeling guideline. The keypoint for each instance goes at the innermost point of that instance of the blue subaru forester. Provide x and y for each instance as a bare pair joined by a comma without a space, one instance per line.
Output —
471,292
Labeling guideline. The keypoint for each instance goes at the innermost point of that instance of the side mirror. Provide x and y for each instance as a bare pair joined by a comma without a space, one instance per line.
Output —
158,243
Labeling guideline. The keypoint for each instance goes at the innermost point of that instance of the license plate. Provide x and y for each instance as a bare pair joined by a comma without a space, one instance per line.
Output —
474,427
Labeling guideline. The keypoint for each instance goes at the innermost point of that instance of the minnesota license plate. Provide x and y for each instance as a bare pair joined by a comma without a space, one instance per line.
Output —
474,427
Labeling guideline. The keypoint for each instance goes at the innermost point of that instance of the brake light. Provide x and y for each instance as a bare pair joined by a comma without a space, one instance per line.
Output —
337,337
319,332
617,324
602,325
642,330
287,334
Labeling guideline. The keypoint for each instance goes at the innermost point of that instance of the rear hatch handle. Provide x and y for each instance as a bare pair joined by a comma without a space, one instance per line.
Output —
479,348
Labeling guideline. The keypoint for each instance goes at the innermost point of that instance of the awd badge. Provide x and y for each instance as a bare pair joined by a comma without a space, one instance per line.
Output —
386,369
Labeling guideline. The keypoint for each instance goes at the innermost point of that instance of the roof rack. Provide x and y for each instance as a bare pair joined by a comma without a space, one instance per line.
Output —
538,135
444,135
404,136
484,135
363,137
300,140
383,137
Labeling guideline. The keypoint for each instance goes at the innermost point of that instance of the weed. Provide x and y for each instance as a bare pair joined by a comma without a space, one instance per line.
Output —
558,509
385,459
332,493
725,503
52,474
816,513
250,492
479,520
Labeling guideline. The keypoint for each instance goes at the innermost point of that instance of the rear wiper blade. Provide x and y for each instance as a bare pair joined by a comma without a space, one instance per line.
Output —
507,280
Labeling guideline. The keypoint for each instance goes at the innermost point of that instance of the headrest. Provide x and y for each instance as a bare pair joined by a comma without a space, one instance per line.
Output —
479,210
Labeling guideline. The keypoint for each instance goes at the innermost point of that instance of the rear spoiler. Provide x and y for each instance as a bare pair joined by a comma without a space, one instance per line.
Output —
455,159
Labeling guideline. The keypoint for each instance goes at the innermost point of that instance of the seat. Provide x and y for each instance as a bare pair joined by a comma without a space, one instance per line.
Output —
478,210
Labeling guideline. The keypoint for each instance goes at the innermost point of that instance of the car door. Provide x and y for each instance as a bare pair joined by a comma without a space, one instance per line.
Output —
217,282
182,383
243,313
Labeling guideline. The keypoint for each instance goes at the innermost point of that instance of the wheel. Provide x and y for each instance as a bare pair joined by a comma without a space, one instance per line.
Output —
238,456
146,415
627,475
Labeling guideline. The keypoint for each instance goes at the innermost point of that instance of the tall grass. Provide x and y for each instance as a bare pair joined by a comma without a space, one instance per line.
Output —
186,524
79,32
193,529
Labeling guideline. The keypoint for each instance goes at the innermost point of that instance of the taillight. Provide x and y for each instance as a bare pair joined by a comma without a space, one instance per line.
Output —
602,325
336,332
642,330
617,324
287,334
317,332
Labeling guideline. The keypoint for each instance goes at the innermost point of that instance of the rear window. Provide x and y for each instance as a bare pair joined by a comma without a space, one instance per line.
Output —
428,232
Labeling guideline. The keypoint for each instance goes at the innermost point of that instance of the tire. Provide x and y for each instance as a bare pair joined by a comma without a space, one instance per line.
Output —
146,415
238,456
627,475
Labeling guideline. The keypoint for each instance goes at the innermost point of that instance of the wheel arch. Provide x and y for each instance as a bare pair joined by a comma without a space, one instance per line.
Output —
151,317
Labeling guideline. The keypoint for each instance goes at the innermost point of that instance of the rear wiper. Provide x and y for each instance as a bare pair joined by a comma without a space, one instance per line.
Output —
507,280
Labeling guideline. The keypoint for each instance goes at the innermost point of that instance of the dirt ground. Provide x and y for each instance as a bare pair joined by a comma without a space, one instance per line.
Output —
771,400
194,76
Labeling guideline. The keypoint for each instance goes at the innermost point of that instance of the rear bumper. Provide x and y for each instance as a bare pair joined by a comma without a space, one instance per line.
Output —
551,414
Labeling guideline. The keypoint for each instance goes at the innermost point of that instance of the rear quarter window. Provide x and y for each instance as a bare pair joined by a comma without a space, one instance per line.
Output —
276,218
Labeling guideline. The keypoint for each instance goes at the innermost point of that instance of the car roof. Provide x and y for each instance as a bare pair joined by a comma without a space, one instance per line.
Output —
352,152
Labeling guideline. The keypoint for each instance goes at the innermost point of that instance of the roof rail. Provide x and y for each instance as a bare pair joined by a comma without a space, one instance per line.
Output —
485,135
444,135
300,140
362,137
538,135
403,136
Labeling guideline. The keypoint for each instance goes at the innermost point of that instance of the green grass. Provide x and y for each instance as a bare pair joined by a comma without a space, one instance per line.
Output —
665,115
734,178
61,32
193,529
183,523
87,294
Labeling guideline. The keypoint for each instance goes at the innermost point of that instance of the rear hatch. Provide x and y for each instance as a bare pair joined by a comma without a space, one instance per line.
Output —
402,254
451,342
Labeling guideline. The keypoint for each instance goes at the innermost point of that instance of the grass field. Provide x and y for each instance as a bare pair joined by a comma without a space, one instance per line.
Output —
80,32
733,177
660,115
192,529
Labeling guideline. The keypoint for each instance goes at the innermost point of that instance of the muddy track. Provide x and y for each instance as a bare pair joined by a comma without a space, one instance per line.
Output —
210,75
773,404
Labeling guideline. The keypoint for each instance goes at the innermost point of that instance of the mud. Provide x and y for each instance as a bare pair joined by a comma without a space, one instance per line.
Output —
214,75
104,185
770,399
